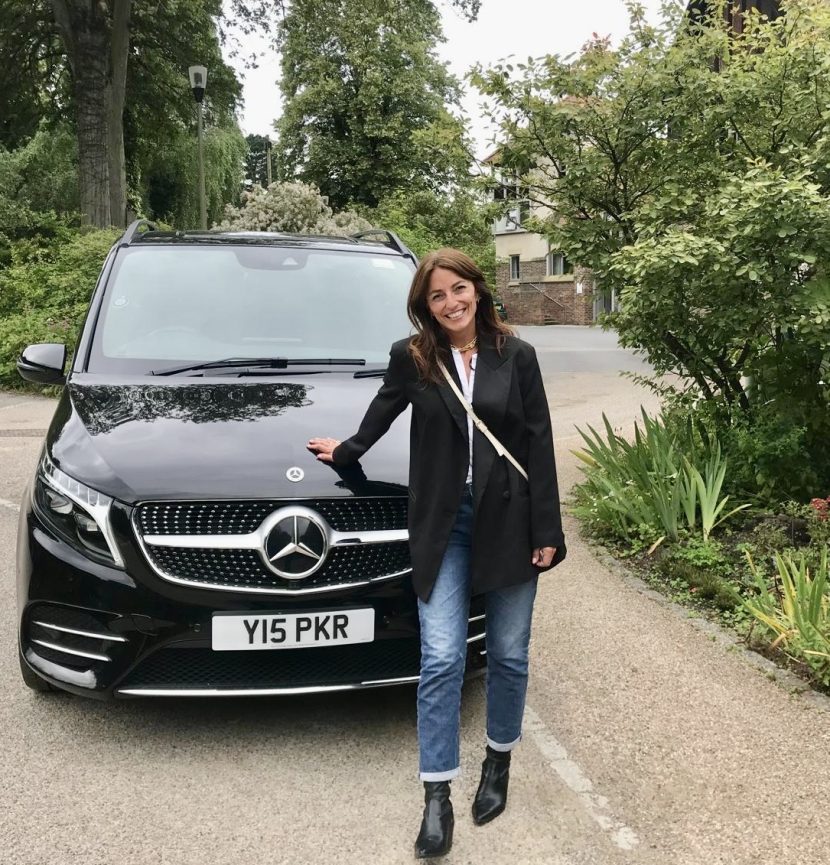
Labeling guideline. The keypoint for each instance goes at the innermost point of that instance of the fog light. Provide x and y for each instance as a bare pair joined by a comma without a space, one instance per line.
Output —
86,523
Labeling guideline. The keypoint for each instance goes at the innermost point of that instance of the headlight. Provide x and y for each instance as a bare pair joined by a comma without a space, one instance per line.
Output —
78,512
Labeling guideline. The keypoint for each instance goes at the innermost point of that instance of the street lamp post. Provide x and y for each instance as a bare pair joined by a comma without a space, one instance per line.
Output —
198,82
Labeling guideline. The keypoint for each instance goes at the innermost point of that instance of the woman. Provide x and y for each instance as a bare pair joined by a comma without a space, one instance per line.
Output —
476,526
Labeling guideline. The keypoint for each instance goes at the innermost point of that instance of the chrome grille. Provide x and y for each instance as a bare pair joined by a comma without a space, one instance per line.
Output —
239,518
244,569
221,545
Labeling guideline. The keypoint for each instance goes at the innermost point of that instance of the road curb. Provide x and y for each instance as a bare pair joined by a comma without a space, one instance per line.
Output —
784,678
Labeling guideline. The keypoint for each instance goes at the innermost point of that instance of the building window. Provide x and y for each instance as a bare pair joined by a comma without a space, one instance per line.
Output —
509,189
517,215
514,268
557,264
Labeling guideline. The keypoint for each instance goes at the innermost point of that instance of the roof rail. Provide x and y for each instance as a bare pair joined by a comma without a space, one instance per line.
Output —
134,229
391,240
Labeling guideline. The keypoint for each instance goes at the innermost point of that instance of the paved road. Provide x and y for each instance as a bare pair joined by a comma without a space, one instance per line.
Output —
572,349
646,743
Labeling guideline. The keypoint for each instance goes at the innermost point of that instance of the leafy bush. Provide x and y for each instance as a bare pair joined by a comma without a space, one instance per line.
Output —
428,220
296,208
774,459
773,456
45,291
795,610
38,190
670,181
42,175
662,482
704,568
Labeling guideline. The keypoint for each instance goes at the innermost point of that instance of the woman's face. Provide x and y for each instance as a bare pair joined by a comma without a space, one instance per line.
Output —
452,301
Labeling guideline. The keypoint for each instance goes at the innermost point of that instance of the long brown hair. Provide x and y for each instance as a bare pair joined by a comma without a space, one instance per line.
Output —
431,343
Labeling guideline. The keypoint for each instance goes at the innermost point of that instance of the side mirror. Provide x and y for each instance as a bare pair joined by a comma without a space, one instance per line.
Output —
43,363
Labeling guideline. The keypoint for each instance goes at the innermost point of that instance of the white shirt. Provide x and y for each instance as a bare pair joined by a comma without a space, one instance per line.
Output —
467,390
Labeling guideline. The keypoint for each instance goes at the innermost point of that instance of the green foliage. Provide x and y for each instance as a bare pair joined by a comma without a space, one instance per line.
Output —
772,457
256,161
172,192
707,555
770,535
42,175
366,97
796,610
703,567
689,169
160,114
38,186
654,487
45,291
809,528
427,220
31,69
296,208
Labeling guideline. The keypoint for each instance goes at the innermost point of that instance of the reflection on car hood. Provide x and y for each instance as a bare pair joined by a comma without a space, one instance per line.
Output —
217,440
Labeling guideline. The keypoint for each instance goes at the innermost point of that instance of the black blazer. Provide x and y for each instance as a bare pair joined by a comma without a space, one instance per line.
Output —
511,516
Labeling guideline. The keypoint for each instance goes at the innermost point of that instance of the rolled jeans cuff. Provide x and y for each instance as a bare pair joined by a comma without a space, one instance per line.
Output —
496,746
441,776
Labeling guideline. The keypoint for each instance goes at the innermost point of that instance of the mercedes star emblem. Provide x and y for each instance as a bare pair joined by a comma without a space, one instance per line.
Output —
295,474
296,545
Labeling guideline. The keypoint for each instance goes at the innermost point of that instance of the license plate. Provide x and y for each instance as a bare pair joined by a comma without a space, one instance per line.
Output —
232,632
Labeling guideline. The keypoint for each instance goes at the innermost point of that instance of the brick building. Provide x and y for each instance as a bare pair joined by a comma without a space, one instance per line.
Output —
537,283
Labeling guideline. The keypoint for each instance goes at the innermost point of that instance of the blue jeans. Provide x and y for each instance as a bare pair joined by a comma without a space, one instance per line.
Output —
444,621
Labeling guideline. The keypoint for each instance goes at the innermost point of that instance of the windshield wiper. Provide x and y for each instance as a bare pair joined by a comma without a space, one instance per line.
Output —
261,362
371,373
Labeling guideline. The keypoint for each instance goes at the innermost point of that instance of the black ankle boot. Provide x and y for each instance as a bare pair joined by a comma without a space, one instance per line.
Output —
435,837
491,796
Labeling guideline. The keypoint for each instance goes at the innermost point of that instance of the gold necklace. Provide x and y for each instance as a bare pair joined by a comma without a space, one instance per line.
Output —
469,346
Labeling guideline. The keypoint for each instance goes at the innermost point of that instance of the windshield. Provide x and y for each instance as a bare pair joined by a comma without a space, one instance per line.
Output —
179,304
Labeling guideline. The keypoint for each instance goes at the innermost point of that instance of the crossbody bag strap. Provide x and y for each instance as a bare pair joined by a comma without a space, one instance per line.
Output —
479,424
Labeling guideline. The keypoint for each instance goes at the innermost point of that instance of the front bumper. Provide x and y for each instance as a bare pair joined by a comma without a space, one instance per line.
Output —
108,633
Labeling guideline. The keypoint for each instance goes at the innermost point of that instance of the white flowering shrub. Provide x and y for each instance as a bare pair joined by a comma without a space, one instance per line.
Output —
296,208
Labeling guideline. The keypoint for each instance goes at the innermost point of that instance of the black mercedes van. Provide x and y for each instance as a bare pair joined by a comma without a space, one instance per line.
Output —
178,538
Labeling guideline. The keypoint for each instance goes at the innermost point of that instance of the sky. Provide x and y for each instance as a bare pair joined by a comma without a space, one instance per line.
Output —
521,28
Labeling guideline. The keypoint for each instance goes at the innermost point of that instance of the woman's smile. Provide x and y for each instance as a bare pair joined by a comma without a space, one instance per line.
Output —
452,301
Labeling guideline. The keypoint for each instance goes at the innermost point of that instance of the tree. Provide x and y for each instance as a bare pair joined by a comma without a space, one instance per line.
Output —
31,69
160,116
688,168
170,190
426,221
295,208
115,70
366,100
96,39
67,60
256,162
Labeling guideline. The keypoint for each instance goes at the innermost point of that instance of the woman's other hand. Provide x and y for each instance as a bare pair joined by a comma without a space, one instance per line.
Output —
543,556
323,448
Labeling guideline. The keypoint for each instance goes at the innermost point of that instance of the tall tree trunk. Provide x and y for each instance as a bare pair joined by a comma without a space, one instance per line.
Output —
117,161
96,38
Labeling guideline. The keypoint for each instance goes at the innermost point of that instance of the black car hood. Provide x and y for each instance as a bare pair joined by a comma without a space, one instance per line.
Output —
221,439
